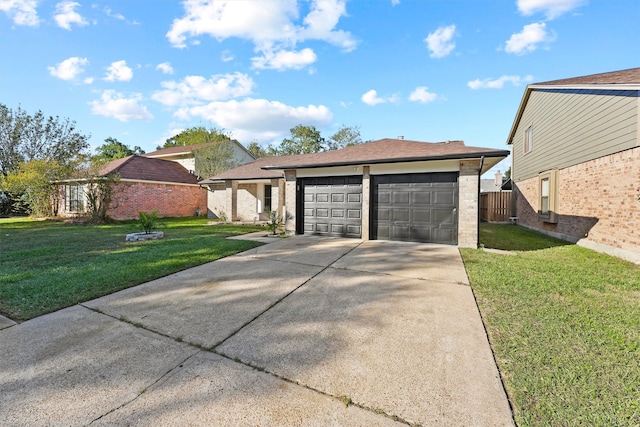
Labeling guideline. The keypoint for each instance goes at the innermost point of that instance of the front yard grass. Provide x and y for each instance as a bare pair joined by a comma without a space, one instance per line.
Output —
47,265
564,325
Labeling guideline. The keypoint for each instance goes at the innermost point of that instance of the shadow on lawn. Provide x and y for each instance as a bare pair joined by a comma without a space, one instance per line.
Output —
508,237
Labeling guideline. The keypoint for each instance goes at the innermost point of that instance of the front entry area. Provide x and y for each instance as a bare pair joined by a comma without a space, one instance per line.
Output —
331,206
415,207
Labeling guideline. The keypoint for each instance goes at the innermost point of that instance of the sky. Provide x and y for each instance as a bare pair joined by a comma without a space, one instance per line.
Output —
141,71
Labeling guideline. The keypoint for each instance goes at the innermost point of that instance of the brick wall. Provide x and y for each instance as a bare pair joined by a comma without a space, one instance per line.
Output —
597,203
468,204
247,202
168,199
217,202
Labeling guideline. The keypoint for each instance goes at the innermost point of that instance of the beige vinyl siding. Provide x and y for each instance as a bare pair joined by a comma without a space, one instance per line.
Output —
574,126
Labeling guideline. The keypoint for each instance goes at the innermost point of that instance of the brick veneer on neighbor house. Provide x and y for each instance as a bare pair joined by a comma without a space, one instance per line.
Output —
597,203
170,200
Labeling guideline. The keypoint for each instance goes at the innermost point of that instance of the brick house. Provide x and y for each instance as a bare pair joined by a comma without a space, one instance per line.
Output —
146,184
390,189
576,161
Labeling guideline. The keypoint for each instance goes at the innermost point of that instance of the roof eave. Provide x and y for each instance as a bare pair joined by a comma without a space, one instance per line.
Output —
501,153
516,121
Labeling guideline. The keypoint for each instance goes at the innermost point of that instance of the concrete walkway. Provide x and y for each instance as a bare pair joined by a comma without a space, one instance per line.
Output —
301,331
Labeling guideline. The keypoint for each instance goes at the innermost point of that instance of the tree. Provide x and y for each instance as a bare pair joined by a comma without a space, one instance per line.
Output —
507,173
346,136
113,149
25,137
32,186
304,140
257,151
214,158
196,135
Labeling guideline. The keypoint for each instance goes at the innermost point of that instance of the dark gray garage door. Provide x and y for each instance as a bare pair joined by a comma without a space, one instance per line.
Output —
333,206
415,207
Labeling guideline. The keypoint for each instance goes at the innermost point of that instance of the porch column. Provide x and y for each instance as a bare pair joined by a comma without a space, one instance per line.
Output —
468,204
290,201
231,194
366,203
277,195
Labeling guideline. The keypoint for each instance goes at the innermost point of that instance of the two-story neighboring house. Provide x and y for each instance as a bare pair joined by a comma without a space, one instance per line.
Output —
576,160
185,155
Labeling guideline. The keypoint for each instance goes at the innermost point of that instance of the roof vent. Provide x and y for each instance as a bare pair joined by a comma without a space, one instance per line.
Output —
400,136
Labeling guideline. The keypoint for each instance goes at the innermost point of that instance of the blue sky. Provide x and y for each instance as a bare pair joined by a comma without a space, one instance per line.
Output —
430,70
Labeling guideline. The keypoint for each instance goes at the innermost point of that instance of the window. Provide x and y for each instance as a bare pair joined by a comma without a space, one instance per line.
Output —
548,211
528,139
267,198
544,196
74,198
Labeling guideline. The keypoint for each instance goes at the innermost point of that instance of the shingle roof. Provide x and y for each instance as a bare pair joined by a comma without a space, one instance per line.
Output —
381,151
629,76
148,169
186,149
387,151
251,170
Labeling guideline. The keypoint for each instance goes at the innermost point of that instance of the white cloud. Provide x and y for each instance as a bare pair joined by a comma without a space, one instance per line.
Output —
422,94
395,2
119,71
22,12
551,8
258,118
193,90
227,56
272,25
115,105
69,69
528,39
371,98
499,82
66,15
440,41
284,59
165,67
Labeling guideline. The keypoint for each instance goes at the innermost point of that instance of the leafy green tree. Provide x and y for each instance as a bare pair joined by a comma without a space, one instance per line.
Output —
113,149
507,173
303,140
25,137
32,188
257,151
215,158
346,136
196,135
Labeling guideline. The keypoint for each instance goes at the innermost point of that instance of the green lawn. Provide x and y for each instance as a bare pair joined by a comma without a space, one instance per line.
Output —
46,265
564,324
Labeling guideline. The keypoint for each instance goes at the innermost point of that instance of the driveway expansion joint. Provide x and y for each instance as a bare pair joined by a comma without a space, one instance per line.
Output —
346,400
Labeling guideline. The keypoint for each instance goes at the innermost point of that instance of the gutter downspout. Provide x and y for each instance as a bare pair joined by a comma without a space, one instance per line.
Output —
479,189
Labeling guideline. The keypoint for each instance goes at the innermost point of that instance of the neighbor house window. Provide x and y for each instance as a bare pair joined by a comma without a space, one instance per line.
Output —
267,198
548,211
528,139
74,198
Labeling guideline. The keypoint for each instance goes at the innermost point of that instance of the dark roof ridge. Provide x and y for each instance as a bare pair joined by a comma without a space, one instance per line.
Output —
626,76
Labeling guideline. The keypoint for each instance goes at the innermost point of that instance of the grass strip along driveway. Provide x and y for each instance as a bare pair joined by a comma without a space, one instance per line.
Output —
564,324
47,265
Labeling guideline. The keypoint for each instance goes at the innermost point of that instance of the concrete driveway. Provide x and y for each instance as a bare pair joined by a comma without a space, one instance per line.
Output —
302,331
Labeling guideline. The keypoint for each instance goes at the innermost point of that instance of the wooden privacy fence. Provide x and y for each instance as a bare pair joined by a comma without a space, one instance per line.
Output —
496,206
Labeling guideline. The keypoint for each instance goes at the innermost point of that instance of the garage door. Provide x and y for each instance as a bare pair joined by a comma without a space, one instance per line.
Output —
333,206
416,207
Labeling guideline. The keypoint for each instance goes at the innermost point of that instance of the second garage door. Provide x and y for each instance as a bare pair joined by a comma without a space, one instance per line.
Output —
416,207
333,206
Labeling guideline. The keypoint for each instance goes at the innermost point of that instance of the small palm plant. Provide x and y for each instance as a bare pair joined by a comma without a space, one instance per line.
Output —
275,221
148,221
